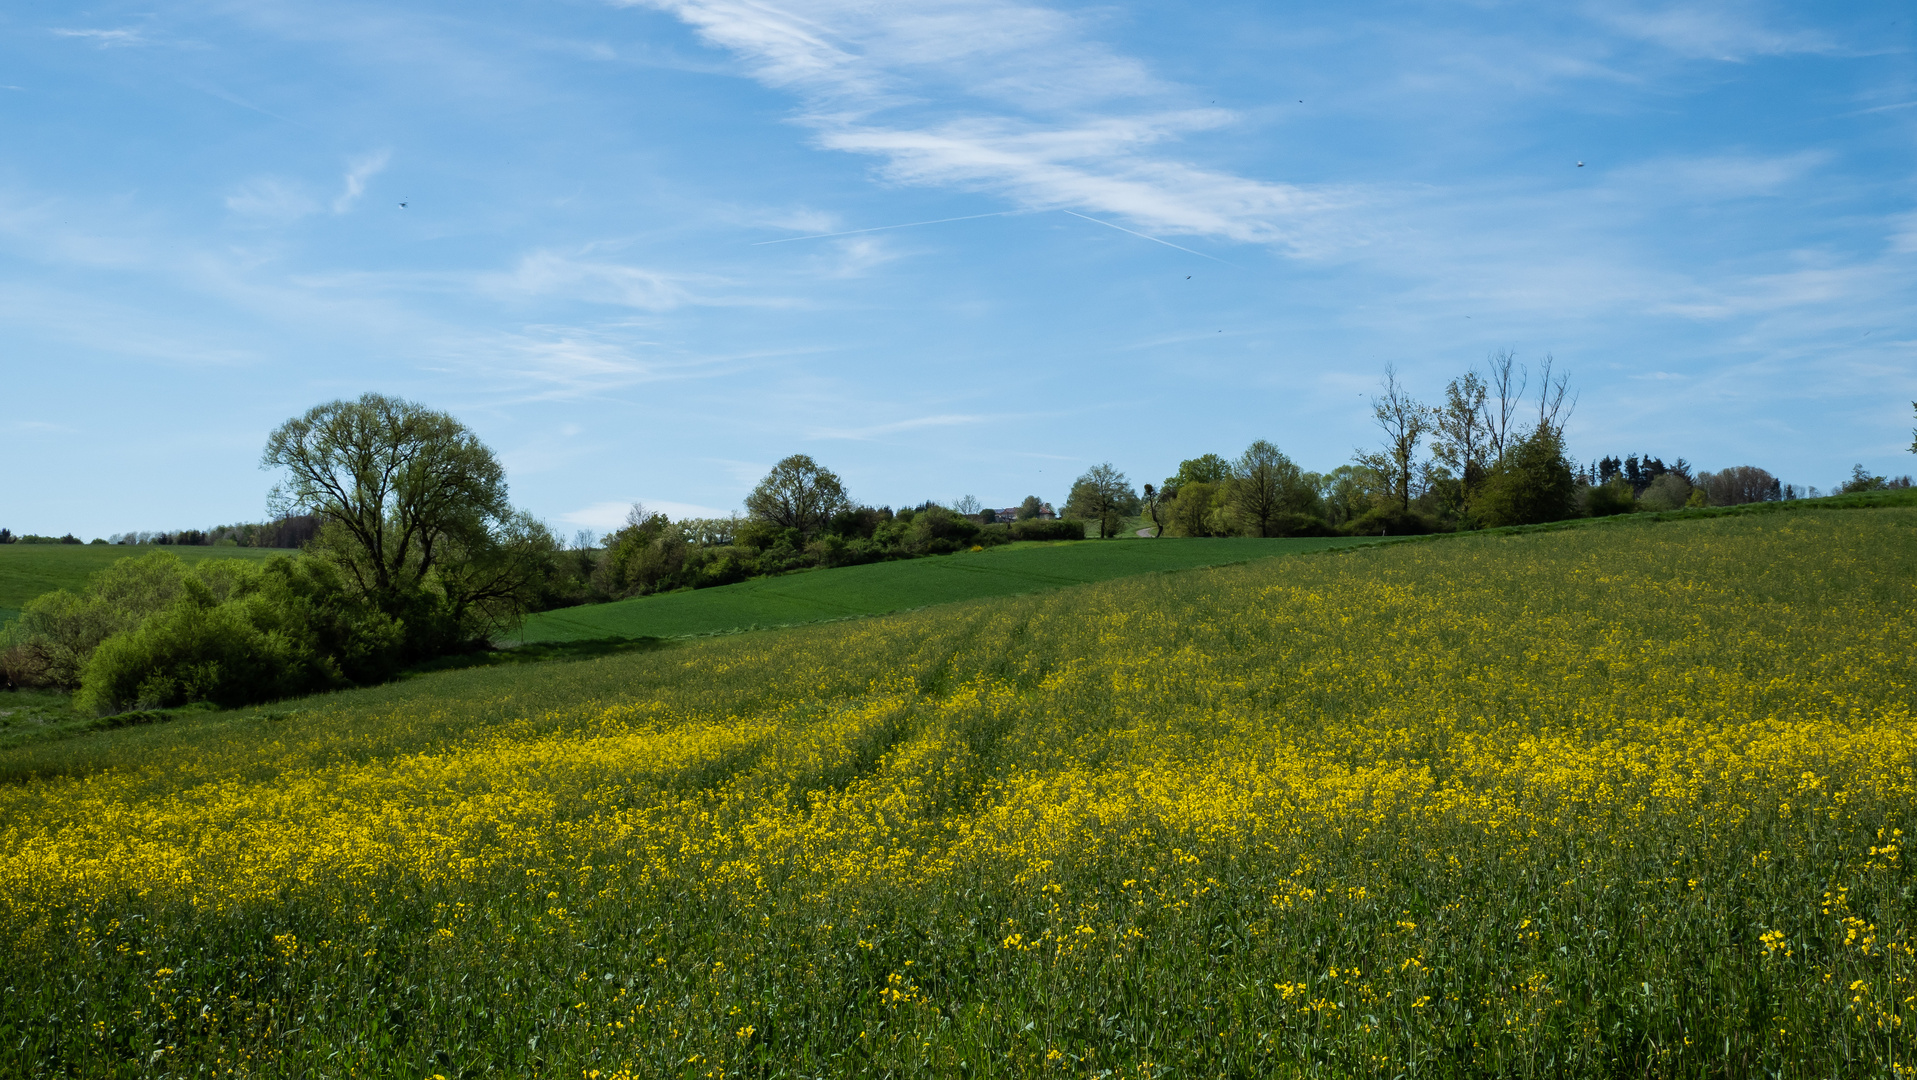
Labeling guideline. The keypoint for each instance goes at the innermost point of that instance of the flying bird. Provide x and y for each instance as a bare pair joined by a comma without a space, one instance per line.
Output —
402,206
1580,164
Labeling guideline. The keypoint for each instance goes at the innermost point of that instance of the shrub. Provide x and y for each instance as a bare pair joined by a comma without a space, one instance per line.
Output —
152,632
1041,529
1609,498
286,627
1393,521
197,651
938,531
1668,492
23,668
1296,523
58,631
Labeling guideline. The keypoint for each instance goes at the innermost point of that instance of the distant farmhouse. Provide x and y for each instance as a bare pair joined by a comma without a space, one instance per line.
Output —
1010,514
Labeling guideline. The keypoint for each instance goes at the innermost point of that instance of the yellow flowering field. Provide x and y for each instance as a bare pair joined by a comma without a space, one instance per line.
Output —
1624,800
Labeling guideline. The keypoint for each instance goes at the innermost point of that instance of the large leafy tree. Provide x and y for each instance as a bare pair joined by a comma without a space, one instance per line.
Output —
798,493
1531,484
1104,495
1264,486
1204,469
415,513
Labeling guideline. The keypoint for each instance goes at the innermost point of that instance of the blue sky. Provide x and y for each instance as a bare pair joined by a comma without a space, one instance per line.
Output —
1182,227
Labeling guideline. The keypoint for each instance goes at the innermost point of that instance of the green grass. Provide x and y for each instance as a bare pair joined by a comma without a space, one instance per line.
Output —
27,570
1615,801
878,588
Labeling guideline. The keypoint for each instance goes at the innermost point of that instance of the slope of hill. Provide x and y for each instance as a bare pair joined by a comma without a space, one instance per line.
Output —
876,588
1622,801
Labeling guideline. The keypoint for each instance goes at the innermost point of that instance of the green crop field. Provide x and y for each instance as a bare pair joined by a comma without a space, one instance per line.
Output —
27,570
1620,801
877,588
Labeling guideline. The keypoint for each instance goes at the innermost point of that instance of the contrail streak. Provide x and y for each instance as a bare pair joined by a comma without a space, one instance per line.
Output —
882,228
1153,239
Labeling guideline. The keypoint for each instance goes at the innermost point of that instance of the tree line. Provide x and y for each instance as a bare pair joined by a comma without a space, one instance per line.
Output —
285,532
1491,452
409,548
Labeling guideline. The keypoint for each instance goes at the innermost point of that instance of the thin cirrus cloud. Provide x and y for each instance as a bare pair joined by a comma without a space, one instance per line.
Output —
548,273
1712,31
105,39
563,363
271,198
278,199
995,65
353,184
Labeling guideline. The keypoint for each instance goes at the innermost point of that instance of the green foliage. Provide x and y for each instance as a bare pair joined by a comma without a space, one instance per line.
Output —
234,634
1611,497
1390,519
1862,480
1348,492
1204,469
416,516
1269,496
1199,509
1532,483
1047,529
938,531
58,631
156,632
1103,495
1667,491
27,571
798,493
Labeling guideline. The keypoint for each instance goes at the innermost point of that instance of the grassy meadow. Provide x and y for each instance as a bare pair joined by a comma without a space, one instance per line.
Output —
879,588
27,570
1623,801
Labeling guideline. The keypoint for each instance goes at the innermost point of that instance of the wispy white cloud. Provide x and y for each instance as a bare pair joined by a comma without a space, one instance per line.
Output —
548,274
1032,110
857,256
353,184
1725,30
1717,176
271,198
1903,234
275,198
105,39
565,361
